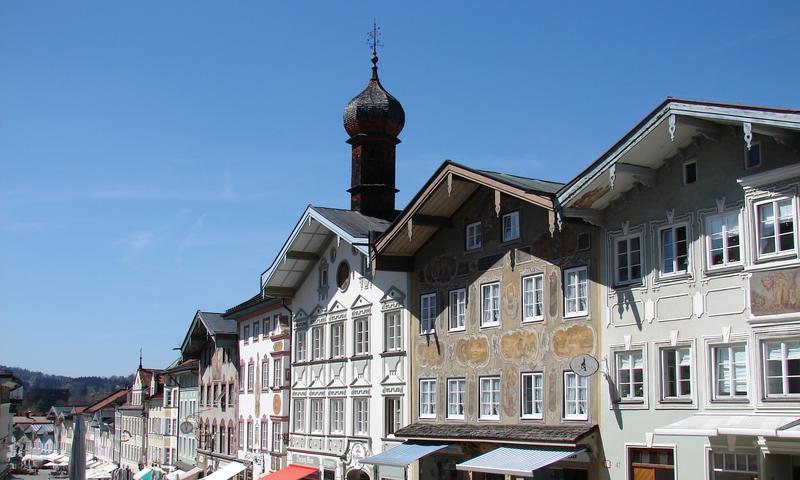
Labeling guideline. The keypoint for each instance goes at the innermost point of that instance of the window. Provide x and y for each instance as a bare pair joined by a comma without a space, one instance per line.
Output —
653,463
264,435
473,236
249,435
337,415
316,415
317,343
457,310
427,314
300,345
511,226
584,241
674,250
250,374
455,397
533,298
775,227
676,372
230,394
576,400
730,371
277,372
490,398
427,398
393,331
246,333
337,340
575,292
628,258
532,395
277,437
343,276
256,333
266,327
723,241
323,276
490,298
215,394
242,373
734,466
265,374
241,433
393,415
752,156
689,172
361,328
361,416
782,367
630,375
299,415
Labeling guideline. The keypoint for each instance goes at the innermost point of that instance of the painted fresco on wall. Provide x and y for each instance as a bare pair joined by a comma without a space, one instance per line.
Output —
775,292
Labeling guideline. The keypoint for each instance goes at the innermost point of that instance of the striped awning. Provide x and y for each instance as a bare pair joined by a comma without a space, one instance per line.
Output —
521,462
403,454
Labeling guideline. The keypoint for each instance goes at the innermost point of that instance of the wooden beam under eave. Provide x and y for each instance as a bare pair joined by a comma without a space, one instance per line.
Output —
431,221
392,263
301,255
280,292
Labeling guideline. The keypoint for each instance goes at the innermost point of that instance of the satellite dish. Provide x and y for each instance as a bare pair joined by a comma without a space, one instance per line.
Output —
186,427
584,365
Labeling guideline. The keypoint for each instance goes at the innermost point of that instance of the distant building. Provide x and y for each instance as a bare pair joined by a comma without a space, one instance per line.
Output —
131,421
9,384
100,426
180,390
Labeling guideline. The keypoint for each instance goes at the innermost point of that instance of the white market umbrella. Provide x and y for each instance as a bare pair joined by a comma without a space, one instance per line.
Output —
77,458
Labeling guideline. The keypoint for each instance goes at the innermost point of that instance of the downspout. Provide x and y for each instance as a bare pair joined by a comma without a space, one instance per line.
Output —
289,411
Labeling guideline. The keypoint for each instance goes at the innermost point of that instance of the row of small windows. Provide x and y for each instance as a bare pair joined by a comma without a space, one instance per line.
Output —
576,298
336,416
247,375
392,341
474,231
775,237
270,325
728,370
752,159
576,400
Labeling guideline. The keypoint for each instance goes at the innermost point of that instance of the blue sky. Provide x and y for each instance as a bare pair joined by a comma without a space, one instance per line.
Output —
155,155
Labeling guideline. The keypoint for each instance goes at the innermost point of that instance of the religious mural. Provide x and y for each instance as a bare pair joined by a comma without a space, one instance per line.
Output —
775,292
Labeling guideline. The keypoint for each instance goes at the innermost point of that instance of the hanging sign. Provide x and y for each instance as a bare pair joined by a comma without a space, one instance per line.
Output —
584,365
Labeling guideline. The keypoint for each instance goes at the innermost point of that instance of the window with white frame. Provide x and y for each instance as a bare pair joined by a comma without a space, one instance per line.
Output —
360,416
300,345
337,340
316,415
628,260
266,326
427,313
776,224
576,398
782,368
630,375
256,333
473,236
251,370
489,393
511,226
729,366
337,415
277,372
576,292
723,242
264,435
427,398
674,250
456,390
265,373
241,436
249,435
734,466
361,335
676,374
533,298
393,331
532,395
490,301
393,415
246,333
299,415
317,342
277,437
457,309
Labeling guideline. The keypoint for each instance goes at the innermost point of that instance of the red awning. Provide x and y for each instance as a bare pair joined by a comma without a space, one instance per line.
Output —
292,472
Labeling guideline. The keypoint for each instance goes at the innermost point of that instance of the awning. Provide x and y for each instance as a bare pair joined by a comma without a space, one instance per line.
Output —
109,467
292,472
521,462
174,475
143,474
226,472
402,454
191,474
751,425
94,474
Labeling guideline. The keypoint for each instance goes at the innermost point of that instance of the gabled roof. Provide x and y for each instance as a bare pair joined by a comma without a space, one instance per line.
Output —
663,134
117,397
443,195
206,325
305,245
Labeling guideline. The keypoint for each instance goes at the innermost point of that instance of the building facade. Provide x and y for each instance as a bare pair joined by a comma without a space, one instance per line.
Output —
131,425
699,207
180,386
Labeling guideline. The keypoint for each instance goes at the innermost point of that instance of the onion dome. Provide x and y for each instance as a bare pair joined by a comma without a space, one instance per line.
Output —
374,111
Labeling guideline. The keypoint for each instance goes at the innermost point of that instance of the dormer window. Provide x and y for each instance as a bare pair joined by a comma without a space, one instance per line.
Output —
474,236
511,226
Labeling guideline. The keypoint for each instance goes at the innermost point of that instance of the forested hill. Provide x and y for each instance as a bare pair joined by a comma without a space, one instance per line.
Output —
43,390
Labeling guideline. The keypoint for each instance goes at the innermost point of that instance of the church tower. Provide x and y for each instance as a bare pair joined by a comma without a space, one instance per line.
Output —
373,120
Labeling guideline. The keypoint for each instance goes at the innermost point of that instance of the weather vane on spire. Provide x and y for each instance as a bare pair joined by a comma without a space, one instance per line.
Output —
374,38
